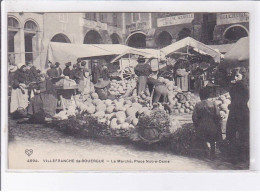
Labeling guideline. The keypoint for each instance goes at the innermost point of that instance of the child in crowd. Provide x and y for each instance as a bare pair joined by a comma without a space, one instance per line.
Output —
207,121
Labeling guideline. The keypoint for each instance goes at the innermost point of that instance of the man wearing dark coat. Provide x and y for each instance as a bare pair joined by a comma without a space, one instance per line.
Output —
67,71
142,70
32,72
57,66
52,72
73,72
97,71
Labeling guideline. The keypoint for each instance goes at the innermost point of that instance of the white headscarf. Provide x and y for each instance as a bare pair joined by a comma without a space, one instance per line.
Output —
12,68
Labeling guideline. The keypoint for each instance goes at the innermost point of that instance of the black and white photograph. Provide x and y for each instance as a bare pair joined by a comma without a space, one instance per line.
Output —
128,91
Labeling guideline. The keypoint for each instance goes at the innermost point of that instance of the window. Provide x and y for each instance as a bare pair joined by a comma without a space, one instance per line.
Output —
13,23
102,17
11,41
114,19
30,26
135,17
95,16
91,16
13,27
88,16
28,40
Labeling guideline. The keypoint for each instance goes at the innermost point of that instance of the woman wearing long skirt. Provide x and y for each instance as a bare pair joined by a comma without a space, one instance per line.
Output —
19,93
238,119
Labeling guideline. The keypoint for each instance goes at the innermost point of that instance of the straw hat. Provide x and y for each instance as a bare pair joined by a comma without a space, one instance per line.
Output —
101,83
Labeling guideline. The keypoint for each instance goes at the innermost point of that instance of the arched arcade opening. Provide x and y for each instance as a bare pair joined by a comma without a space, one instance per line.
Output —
234,33
92,37
137,40
163,39
115,38
60,38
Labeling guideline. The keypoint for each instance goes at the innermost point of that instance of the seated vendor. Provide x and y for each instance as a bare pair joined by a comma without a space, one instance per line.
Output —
43,104
160,90
101,88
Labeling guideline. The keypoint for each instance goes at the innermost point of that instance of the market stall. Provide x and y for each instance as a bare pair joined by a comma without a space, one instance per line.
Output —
183,46
129,115
193,63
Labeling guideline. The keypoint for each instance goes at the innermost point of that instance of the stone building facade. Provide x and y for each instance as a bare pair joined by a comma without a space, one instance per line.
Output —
231,26
29,34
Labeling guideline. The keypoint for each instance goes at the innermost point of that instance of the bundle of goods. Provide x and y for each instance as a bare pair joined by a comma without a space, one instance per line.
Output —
66,82
155,127
223,101
80,125
184,141
118,87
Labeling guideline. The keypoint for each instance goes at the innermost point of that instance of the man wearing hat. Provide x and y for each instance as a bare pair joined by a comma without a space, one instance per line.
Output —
85,69
101,88
52,72
97,71
142,70
32,71
67,71
73,71
57,66
78,62
79,74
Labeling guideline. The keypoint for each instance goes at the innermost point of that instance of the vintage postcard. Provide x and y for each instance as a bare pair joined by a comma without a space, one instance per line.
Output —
128,91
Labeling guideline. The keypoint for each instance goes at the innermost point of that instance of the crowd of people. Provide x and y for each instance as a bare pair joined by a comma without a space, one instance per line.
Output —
33,93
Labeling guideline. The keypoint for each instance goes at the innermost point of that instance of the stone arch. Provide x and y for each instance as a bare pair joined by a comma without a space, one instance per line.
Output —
13,22
185,32
30,20
92,37
163,39
136,39
60,38
235,32
115,38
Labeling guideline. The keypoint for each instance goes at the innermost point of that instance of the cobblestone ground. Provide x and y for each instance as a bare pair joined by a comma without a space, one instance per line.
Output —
44,138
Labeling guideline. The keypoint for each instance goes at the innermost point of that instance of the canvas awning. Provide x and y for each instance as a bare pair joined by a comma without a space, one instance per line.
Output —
238,55
182,46
147,53
66,52
223,48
